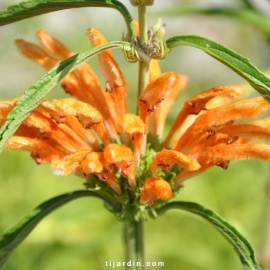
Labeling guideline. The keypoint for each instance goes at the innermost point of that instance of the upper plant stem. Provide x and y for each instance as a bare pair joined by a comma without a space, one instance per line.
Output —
143,66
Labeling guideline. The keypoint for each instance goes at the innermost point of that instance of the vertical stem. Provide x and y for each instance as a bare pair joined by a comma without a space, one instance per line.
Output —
129,237
134,230
134,240
143,66
139,234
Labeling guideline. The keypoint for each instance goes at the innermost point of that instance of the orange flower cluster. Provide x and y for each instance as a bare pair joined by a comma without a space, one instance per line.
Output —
94,136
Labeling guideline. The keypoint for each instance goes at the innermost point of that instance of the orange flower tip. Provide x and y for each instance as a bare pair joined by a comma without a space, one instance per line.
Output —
95,37
115,153
21,44
108,88
24,46
117,189
92,163
157,90
238,88
30,50
121,157
108,177
5,108
53,44
136,27
224,164
194,165
155,188
87,115
232,139
43,158
210,132
213,98
132,125
165,158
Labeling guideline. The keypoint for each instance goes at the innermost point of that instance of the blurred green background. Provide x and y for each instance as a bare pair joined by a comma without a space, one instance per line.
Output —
83,235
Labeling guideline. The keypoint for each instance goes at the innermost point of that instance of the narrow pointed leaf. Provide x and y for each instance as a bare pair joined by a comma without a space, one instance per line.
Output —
236,62
13,237
240,244
37,7
36,92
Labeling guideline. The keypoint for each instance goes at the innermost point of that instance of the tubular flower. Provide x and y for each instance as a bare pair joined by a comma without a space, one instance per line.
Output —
122,155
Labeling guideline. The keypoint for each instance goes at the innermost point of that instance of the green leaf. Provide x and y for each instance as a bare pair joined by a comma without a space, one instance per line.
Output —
240,244
34,95
37,7
14,236
236,62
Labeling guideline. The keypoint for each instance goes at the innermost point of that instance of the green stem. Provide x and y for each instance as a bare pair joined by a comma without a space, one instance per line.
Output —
129,242
139,245
143,66
134,240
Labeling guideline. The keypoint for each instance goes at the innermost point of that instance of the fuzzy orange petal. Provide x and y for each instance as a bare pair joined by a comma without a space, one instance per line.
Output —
156,92
93,163
215,118
221,154
48,129
81,83
136,129
40,151
207,141
84,84
122,157
53,45
264,123
222,100
136,27
49,110
160,114
74,125
155,188
88,116
110,180
70,164
115,82
100,99
118,154
5,107
154,70
166,158
198,103
36,53
249,131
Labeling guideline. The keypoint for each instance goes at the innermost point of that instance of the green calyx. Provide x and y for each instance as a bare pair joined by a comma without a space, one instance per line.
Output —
155,47
128,205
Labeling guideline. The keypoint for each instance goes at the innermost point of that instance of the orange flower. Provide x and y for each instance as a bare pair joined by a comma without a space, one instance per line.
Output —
94,136
155,188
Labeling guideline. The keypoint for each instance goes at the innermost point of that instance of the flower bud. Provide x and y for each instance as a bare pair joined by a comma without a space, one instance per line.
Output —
136,3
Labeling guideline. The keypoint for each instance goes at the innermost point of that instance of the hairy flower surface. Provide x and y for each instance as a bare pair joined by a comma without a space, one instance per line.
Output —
121,155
